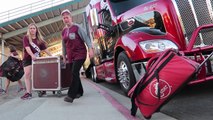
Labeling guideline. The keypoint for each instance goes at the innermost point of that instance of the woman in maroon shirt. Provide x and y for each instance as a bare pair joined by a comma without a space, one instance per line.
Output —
33,44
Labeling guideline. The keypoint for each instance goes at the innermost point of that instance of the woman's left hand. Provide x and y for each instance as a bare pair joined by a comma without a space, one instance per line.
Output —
91,53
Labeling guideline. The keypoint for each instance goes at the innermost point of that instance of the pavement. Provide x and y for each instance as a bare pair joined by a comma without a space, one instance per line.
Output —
193,102
97,103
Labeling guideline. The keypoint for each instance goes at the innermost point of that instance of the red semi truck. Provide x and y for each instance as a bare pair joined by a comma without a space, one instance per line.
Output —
126,33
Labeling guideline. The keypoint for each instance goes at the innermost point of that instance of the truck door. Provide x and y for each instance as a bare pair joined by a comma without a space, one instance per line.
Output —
111,32
110,38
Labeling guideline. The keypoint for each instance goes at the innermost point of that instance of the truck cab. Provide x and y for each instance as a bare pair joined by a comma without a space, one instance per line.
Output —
127,33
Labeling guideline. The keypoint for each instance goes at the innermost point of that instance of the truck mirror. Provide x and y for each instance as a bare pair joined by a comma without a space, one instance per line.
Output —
127,24
94,17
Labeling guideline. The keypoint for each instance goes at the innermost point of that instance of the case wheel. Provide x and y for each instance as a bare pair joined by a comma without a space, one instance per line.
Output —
39,93
59,93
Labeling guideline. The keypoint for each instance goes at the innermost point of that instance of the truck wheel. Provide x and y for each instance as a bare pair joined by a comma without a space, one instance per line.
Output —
93,74
125,73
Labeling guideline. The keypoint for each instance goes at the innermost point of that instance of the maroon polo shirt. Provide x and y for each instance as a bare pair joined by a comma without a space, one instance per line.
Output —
75,47
26,43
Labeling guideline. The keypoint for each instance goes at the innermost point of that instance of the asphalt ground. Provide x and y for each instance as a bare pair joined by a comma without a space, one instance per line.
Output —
194,102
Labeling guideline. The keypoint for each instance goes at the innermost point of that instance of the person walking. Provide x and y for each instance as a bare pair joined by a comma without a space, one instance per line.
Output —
33,44
74,50
15,58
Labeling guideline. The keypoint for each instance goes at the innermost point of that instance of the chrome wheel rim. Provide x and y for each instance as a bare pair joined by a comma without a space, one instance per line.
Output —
123,75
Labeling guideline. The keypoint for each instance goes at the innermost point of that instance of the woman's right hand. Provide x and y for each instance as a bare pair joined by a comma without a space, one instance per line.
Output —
33,57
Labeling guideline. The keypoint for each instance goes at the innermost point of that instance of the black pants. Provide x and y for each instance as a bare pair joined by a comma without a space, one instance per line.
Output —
76,86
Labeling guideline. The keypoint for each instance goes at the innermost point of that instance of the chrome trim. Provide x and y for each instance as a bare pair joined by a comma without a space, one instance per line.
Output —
209,6
196,21
192,14
139,75
179,17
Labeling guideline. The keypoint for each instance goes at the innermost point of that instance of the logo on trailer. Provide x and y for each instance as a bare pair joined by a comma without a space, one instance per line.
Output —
165,88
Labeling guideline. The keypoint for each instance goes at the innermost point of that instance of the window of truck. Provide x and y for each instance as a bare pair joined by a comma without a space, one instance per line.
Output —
118,5
151,19
106,17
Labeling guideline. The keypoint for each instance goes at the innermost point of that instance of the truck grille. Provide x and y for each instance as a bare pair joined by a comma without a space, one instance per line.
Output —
194,13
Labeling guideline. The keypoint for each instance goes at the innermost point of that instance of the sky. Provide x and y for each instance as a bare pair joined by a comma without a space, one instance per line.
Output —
12,4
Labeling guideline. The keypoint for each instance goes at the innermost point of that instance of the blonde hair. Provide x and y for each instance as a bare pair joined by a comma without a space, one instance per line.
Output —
38,34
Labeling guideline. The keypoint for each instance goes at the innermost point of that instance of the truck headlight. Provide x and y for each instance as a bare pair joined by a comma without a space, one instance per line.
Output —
153,46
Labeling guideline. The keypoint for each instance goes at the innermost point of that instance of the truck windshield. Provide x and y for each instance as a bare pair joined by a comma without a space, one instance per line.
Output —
121,6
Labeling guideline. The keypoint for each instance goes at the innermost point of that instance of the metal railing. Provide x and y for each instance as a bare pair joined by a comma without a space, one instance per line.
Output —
30,8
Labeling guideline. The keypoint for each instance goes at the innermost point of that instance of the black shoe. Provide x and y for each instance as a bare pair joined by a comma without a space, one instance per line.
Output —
43,92
68,99
78,96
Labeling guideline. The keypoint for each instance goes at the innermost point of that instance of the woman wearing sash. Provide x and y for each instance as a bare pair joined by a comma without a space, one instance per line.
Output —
33,44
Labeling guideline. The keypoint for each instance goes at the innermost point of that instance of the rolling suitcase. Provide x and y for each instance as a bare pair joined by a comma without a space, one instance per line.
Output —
165,76
48,74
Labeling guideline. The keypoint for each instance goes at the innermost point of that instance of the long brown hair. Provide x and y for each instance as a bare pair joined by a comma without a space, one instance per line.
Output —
38,34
